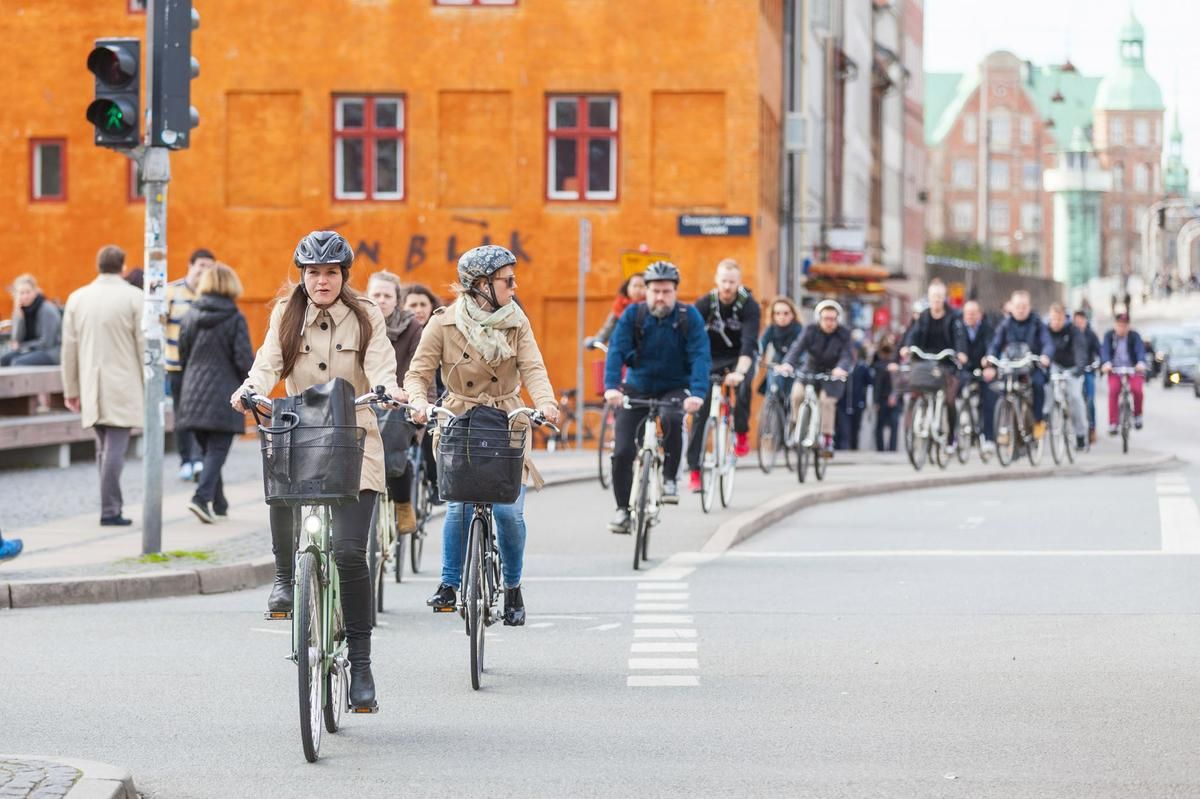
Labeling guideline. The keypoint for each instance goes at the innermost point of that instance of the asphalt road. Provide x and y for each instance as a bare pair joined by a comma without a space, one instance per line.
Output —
1027,638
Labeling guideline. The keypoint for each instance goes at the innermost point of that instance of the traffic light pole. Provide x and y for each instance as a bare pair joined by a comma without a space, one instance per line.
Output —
156,174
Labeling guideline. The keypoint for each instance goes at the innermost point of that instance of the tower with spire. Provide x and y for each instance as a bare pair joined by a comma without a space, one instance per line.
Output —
1176,179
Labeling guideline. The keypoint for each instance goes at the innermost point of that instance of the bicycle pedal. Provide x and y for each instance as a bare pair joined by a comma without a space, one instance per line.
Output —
365,710
277,615
444,610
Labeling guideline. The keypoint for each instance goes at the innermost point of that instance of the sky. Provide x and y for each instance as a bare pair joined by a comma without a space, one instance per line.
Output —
958,33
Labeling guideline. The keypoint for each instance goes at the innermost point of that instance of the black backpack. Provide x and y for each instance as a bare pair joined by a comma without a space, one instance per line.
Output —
681,327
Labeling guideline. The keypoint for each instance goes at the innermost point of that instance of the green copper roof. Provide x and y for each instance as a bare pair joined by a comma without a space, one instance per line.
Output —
1129,86
945,95
1064,97
1175,176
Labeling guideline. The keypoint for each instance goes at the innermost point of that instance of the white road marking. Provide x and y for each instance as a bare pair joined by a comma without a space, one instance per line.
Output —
949,553
662,586
664,663
1165,489
662,647
561,617
662,596
662,681
664,618
660,606
540,625
664,632
1180,520
604,627
272,632
1172,477
666,572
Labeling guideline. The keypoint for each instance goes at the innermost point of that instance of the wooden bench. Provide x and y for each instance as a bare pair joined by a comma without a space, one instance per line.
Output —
29,438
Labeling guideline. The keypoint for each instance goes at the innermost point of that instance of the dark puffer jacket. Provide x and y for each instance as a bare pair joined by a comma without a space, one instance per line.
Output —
215,353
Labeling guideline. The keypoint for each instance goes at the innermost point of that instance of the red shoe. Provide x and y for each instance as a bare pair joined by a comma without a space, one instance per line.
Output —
742,447
694,482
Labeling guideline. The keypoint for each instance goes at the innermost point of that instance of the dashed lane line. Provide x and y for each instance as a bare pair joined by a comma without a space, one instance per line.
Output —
1178,515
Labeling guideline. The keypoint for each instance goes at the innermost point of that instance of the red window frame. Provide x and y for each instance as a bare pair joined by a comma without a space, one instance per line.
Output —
471,3
131,193
369,134
34,144
581,133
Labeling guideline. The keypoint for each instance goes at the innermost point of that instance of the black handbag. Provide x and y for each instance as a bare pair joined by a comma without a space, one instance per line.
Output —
480,459
313,451
398,434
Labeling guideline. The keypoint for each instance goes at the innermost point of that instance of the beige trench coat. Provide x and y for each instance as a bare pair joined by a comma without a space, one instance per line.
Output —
103,352
329,348
470,381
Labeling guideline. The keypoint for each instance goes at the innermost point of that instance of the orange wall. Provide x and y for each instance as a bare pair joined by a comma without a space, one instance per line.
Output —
690,75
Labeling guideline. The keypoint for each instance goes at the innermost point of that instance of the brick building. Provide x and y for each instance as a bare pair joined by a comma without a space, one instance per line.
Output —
420,128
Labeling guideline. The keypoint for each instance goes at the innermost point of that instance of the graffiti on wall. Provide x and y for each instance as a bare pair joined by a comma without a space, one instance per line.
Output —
420,247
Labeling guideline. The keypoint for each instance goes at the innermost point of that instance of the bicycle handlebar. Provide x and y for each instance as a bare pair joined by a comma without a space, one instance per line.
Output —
1124,370
597,345
652,402
1029,359
825,377
535,416
920,353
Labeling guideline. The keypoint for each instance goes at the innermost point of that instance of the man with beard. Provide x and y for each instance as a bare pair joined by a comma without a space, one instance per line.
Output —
664,346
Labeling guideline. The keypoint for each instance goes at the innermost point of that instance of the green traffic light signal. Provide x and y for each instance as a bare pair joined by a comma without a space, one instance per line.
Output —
114,120
114,110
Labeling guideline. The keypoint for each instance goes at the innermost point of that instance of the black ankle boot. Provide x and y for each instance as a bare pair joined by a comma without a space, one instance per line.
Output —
280,600
514,607
362,682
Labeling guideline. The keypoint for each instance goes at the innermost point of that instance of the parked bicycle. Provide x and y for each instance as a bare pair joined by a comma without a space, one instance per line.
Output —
719,463
1125,404
774,424
806,433
1014,425
969,434
319,647
647,500
422,501
927,417
606,443
500,453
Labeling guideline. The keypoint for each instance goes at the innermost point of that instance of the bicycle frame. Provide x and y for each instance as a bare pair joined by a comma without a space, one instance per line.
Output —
315,537
655,485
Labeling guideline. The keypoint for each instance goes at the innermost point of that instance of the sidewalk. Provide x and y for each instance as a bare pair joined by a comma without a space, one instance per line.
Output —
71,559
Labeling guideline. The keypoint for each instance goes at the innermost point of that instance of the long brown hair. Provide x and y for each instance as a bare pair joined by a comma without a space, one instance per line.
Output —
291,324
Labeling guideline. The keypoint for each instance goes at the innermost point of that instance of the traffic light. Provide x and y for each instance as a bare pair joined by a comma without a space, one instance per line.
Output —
1162,217
115,110
172,116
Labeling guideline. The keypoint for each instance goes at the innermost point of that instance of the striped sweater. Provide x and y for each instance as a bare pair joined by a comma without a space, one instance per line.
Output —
179,302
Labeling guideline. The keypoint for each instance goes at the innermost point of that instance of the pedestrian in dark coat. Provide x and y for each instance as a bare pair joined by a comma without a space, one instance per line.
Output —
214,353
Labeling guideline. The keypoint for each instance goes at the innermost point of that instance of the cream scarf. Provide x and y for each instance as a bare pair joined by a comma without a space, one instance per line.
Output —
485,331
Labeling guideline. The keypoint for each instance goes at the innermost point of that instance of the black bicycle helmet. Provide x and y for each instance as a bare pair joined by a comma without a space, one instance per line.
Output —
323,247
483,262
661,270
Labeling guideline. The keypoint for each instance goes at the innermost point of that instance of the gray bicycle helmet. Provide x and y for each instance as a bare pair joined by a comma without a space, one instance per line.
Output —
483,262
324,247
661,270
831,304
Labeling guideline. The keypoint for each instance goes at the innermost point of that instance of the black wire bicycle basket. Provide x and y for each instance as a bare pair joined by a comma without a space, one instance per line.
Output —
480,458
311,465
926,377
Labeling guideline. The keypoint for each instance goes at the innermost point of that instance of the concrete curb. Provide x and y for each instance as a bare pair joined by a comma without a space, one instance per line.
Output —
254,573
97,780
750,523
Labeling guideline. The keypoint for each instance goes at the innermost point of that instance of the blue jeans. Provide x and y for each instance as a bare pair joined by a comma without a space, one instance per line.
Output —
1089,394
510,532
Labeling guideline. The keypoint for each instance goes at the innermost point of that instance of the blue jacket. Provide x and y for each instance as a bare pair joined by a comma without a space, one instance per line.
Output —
1032,331
667,361
1138,351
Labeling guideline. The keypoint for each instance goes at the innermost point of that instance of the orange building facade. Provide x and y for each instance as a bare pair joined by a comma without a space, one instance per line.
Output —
419,130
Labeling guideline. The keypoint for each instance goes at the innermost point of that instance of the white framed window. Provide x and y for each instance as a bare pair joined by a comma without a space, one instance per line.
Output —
1118,174
368,147
998,217
998,173
1116,218
1026,130
964,173
582,136
970,129
1001,130
1031,217
48,170
1116,131
1141,178
962,217
1141,132
1031,176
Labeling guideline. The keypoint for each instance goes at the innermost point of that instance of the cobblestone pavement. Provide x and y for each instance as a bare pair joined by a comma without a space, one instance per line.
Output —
36,779
43,498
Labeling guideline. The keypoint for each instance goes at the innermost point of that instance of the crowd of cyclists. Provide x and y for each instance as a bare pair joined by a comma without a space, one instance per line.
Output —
397,345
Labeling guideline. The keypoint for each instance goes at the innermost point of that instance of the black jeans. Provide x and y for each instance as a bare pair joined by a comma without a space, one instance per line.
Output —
741,412
215,448
886,418
351,530
185,440
627,436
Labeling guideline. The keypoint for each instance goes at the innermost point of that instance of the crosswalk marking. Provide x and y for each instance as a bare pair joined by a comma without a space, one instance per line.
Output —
664,663
674,596
1178,516
662,647
663,606
662,681
664,632
662,618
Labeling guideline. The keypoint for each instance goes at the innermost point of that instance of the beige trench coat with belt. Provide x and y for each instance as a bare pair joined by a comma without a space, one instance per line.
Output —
470,381
329,347
103,352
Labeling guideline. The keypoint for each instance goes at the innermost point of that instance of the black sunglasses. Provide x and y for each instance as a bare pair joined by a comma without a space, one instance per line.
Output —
509,282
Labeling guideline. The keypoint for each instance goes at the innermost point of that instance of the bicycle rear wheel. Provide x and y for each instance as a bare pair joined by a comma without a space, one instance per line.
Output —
641,519
475,600
709,455
1006,431
309,654
803,452
604,449
728,466
770,435
820,462
1056,429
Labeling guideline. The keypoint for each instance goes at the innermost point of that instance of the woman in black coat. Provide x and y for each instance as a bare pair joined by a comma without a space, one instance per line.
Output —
215,354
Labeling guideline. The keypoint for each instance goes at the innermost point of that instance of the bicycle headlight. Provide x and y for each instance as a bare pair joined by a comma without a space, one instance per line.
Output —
313,524
1175,377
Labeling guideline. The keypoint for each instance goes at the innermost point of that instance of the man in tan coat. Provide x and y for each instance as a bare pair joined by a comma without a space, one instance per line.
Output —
102,351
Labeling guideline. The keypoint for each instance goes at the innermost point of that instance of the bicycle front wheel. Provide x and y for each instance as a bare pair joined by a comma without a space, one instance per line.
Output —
422,507
708,466
641,510
604,448
310,655
1056,429
475,600
1035,446
375,558
1006,431
939,440
965,433
916,436
728,467
803,450
770,436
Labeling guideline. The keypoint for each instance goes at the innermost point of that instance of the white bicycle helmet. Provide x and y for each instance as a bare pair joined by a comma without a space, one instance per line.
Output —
834,304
